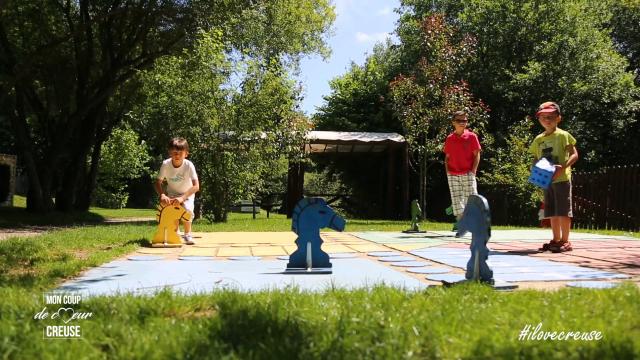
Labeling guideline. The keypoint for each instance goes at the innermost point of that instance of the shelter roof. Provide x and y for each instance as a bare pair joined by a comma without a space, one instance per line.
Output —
350,142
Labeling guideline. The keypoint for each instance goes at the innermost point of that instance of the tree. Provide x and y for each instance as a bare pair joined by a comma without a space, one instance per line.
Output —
238,116
123,158
259,129
60,65
68,71
625,26
533,51
526,52
359,99
183,94
425,99
510,165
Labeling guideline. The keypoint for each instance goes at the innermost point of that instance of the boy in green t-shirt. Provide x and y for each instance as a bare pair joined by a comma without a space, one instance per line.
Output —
557,146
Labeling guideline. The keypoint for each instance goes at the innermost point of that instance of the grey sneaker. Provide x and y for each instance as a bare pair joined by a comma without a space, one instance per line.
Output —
188,239
460,234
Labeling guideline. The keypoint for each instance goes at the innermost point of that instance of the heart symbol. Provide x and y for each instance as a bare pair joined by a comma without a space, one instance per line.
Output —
66,311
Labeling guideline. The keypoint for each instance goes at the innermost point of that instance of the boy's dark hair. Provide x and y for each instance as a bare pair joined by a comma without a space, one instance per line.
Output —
458,113
178,143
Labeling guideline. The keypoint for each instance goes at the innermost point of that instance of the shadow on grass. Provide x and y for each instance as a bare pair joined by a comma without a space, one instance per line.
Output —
20,217
140,242
256,332
283,329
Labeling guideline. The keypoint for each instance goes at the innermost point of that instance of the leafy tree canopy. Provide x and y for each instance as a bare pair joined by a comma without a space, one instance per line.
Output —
625,26
68,70
579,53
531,51
238,116
358,99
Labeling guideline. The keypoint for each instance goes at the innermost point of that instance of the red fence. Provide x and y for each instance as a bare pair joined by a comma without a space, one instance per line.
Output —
608,198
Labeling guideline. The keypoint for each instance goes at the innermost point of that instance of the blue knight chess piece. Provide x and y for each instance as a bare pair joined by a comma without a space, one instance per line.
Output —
476,219
309,216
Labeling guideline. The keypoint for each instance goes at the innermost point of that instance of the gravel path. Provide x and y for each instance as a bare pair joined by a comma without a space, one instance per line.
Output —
23,231
6,233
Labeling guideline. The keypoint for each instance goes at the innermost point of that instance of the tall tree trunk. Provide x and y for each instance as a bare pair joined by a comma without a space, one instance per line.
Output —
38,196
77,182
36,199
85,198
66,194
73,181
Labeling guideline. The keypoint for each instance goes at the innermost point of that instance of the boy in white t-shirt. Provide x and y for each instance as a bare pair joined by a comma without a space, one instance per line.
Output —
182,181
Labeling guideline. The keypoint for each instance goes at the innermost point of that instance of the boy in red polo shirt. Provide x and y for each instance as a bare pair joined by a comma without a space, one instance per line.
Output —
462,156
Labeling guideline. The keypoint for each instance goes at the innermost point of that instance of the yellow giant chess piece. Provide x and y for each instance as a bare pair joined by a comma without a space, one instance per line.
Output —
168,218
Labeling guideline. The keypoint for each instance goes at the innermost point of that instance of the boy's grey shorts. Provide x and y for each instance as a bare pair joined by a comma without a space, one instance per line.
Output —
557,200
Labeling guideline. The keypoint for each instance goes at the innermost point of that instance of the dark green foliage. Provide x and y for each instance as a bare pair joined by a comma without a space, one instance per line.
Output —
530,52
625,26
123,158
514,200
425,97
66,77
581,54
359,100
69,71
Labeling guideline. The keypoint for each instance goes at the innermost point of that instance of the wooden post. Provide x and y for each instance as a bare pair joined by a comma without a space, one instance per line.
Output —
634,199
603,198
391,199
405,181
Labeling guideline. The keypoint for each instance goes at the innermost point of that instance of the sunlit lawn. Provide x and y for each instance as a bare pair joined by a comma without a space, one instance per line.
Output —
469,321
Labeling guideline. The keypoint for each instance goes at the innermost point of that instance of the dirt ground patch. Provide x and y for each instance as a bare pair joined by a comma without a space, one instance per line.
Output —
23,231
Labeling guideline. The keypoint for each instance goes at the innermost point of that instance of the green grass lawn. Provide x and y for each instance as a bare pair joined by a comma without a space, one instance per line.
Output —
469,321
18,216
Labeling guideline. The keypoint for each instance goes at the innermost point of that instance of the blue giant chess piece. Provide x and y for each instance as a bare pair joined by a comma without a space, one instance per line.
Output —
309,216
477,220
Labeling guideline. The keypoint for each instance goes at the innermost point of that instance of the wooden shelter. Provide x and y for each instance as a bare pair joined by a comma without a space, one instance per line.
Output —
333,143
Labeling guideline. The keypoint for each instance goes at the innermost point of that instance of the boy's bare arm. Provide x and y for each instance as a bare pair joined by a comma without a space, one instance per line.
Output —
573,156
476,161
158,186
164,199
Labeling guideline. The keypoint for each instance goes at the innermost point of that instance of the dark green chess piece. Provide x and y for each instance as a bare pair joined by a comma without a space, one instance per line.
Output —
416,214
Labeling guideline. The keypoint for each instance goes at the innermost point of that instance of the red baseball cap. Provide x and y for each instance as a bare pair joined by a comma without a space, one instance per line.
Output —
548,107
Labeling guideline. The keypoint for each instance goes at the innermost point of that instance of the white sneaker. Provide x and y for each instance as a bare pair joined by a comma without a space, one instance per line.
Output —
188,239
